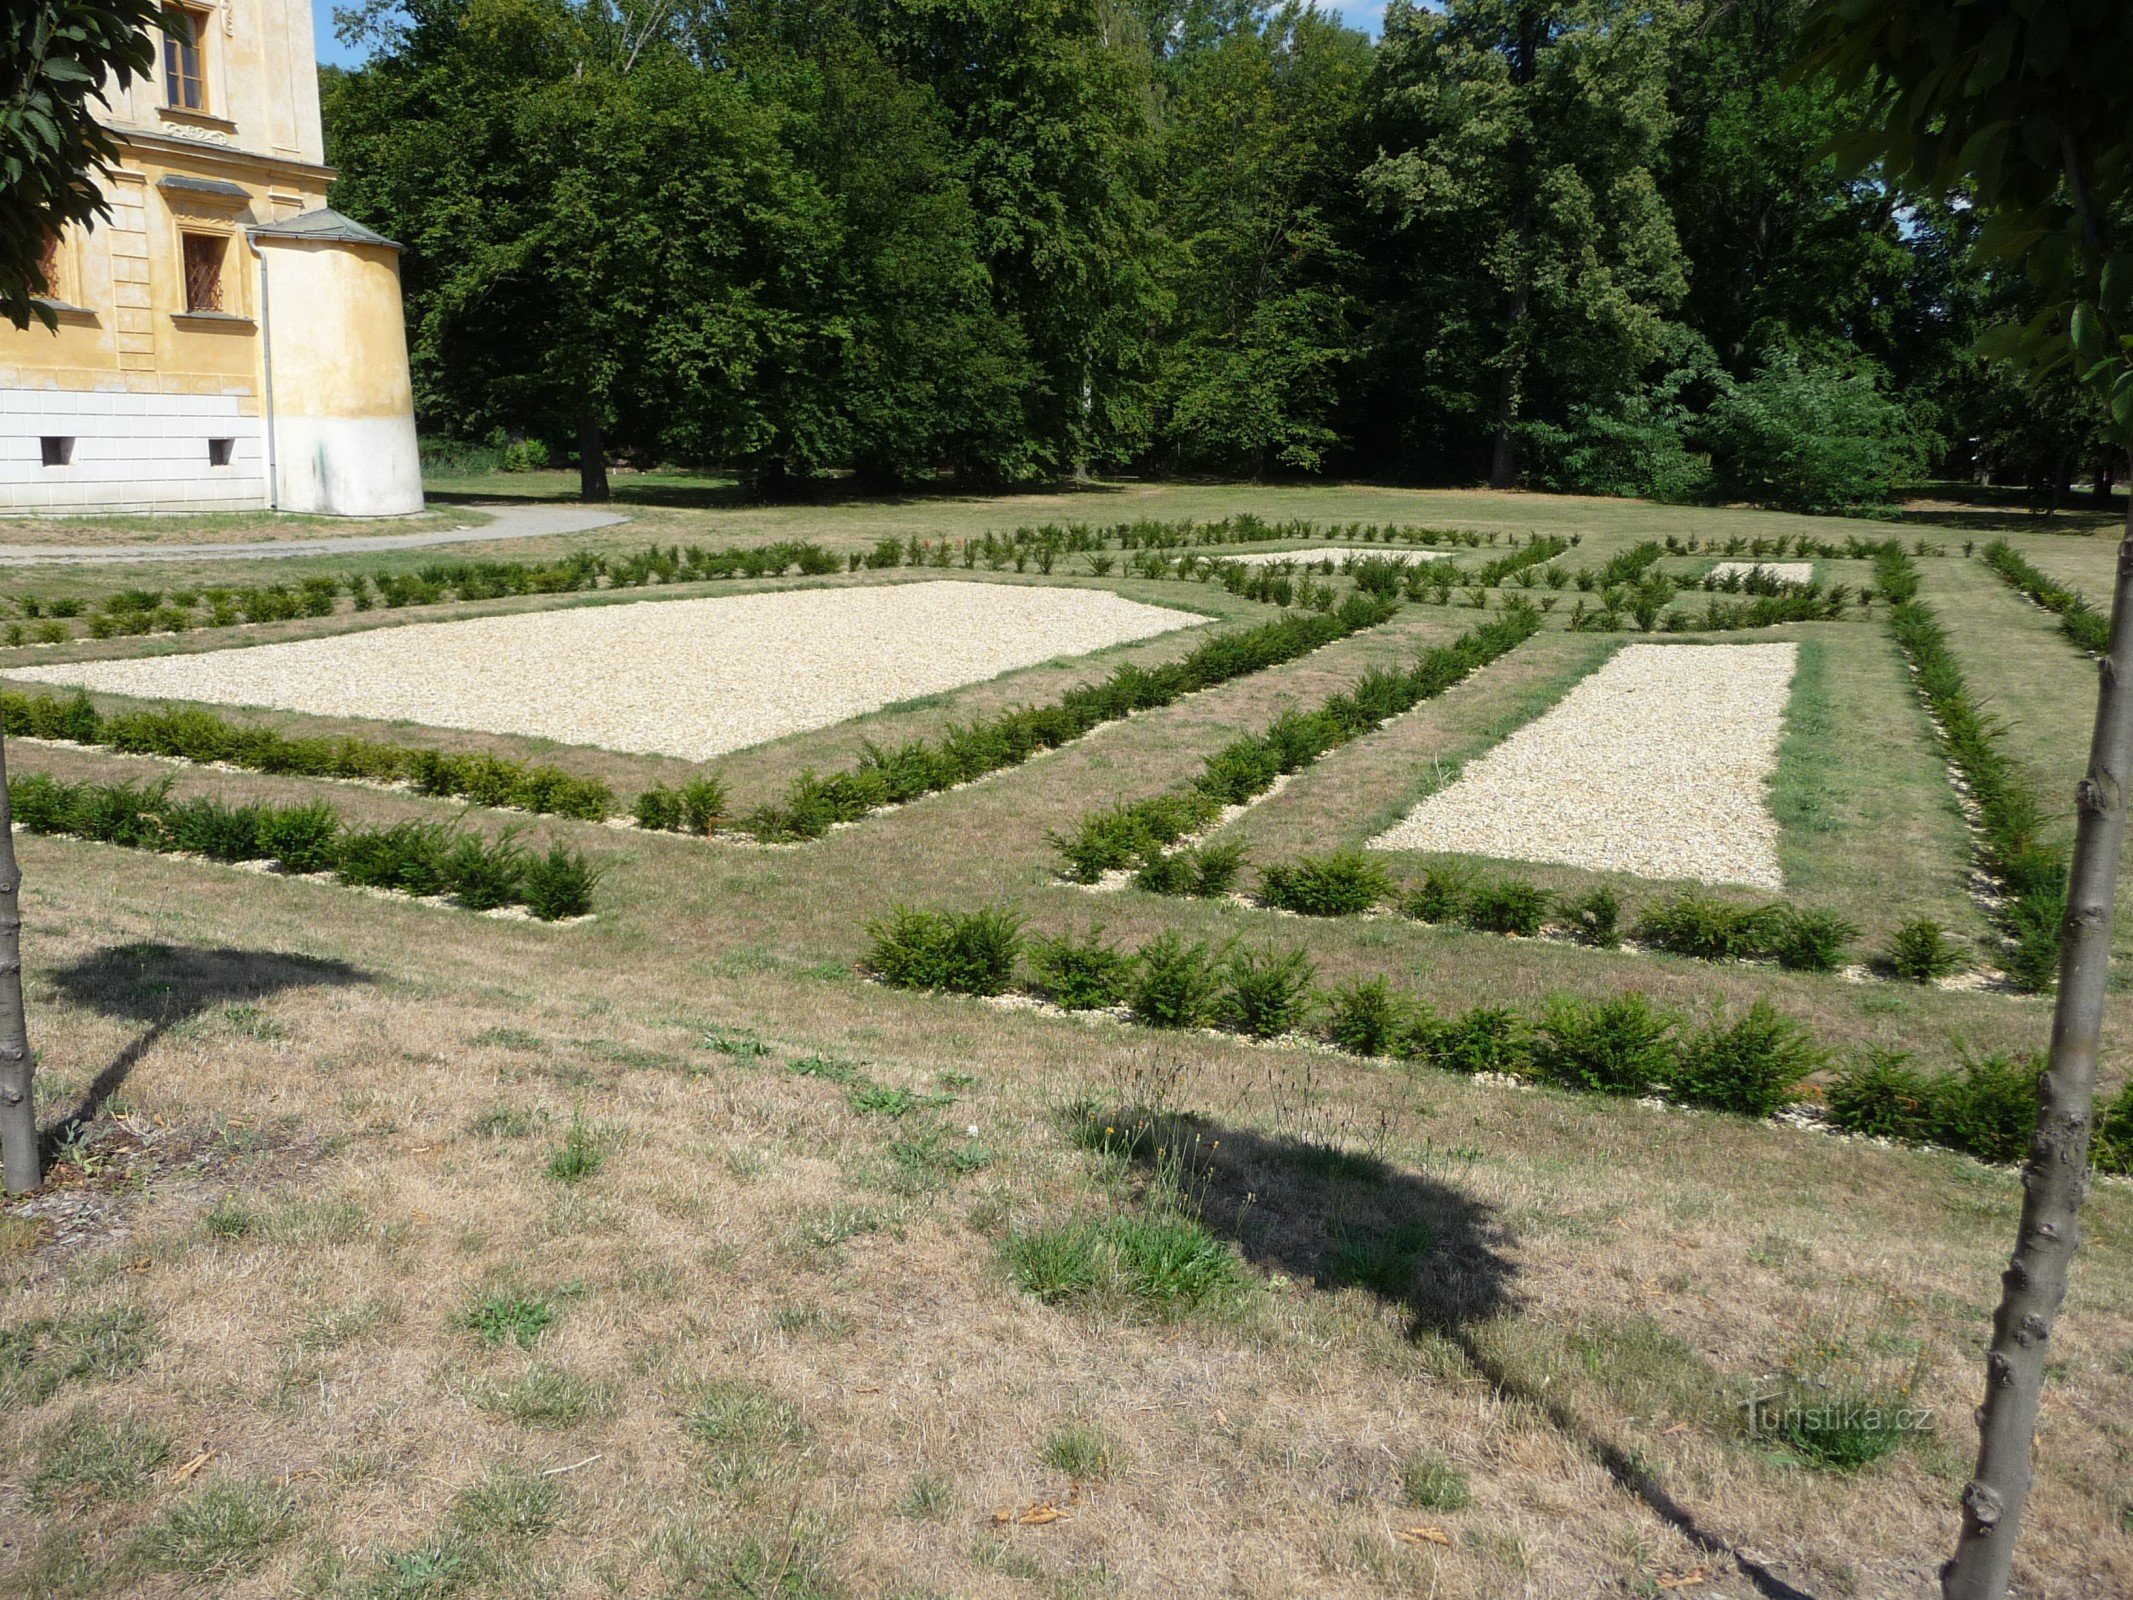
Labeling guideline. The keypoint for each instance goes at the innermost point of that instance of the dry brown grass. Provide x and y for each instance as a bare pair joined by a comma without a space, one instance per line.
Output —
785,1357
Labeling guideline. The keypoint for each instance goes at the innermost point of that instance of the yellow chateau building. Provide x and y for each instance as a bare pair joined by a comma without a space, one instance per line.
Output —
225,341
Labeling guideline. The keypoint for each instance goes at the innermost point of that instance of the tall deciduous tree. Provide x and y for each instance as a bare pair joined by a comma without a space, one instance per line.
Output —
1518,141
1257,132
2028,110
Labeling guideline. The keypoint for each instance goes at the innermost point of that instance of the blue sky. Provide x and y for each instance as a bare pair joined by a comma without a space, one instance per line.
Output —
1362,14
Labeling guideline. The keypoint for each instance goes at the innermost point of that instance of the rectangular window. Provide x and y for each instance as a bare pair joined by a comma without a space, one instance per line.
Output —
58,450
185,61
219,451
203,272
47,283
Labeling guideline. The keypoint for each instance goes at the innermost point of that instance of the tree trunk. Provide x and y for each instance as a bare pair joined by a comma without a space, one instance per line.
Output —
1503,468
592,460
2055,1178
18,1107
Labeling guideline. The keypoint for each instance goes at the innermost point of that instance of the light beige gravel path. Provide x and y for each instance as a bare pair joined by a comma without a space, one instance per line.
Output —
688,678
1784,571
1658,764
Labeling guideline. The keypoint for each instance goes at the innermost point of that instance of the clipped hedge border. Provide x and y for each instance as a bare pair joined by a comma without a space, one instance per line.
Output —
814,804
418,858
2011,815
1120,836
2079,619
190,734
1621,1045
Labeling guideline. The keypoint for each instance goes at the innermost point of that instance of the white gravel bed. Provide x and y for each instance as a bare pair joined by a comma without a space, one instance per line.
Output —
688,678
1658,764
1800,572
1331,552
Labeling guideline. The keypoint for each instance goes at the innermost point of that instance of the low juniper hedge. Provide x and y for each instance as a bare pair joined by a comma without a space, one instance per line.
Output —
2012,817
1753,1063
1122,835
419,858
814,804
2079,618
189,733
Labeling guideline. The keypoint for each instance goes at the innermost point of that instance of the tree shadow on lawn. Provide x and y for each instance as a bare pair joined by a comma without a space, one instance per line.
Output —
164,985
1340,1219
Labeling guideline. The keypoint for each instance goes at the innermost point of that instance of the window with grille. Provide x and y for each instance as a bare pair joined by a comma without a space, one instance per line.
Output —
48,268
185,61
203,272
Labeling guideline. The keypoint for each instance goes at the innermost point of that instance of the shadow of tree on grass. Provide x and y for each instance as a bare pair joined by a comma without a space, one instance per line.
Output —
163,985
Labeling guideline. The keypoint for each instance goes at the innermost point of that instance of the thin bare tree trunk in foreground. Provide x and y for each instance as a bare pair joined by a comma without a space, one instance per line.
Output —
2055,1178
18,1107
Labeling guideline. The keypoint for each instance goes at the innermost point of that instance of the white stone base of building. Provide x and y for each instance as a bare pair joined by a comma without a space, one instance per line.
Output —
129,453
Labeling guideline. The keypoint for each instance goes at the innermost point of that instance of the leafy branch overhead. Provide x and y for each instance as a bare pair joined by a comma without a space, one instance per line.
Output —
2022,111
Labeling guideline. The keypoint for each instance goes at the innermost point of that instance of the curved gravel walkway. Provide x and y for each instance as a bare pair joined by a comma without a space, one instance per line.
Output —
506,522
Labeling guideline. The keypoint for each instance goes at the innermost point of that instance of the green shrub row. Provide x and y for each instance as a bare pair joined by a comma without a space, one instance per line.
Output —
192,734
814,804
1853,548
1125,835
418,858
2078,618
1754,1064
2011,815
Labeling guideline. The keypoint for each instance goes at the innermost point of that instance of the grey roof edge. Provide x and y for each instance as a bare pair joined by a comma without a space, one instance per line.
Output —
325,225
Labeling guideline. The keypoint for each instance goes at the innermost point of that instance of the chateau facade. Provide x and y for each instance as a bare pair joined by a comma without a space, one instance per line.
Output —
225,341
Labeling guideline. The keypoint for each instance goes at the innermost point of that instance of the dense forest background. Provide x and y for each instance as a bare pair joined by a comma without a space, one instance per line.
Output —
1576,244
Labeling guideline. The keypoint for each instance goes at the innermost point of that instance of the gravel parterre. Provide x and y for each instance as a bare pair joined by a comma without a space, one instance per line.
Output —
1332,552
1801,572
688,678
1658,764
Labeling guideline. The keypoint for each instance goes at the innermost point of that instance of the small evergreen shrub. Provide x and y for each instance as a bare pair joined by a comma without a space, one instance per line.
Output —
1708,929
1366,1018
485,873
970,952
302,838
1505,905
1175,984
2111,1150
1268,993
1621,1045
1811,941
1750,1066
1594,919
1441,895
1081,974
1987,1107
1344,884
1484,1039
1922,952
697,806
408,856
559,884
206,827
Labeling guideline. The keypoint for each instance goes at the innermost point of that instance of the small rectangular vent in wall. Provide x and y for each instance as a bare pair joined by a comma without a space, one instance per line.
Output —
58,450
219,451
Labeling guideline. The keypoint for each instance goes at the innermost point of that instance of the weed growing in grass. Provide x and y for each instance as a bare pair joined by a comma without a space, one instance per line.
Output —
545,1397
834,1068
83,1457
1344,884
1382,1260
930,1497
1987,1107
501,1319
1594,919
1505,905
880,1100
1751,1066
581,1155
743,1425
1162,1263
1269,994
1175,984
962,952
1922,952
1428,1482
39,1356
1081,973
1621,1045
1083,1453
220,1531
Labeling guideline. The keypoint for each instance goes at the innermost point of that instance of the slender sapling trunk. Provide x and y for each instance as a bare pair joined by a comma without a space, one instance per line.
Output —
18,1106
